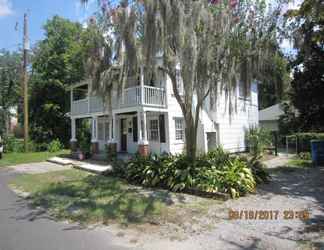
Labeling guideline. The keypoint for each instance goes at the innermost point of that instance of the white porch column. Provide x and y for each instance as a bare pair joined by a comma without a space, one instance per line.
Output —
142,85
94,133
142,129
143,144
73,141
139,126
73,130
112,129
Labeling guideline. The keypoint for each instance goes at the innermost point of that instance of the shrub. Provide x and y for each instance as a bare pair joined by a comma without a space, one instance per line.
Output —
258,169
12,144
258,139
305,156
55,146
212,172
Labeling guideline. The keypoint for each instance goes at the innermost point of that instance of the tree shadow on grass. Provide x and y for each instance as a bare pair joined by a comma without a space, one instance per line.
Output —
99,199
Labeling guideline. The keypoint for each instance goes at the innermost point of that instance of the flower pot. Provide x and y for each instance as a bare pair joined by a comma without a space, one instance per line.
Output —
81,156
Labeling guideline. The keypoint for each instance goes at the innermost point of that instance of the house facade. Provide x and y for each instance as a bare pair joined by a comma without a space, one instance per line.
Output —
147,118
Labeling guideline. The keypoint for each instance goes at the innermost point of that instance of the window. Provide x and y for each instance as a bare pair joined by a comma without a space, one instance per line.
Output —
179,129
154,130
243,90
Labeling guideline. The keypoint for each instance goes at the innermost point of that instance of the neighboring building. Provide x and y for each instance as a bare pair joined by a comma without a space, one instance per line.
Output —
149,118
269,117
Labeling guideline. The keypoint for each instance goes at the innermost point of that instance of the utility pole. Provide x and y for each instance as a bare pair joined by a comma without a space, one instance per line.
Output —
25,80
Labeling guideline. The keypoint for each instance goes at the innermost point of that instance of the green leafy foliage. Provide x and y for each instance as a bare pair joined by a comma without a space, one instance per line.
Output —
84,135
55,146
12,144
9,86
258,139
216,171
305,156
57,63
305,26
16,145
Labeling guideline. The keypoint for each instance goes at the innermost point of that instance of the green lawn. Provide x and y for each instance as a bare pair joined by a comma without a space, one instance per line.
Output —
87,198
299,163
10,159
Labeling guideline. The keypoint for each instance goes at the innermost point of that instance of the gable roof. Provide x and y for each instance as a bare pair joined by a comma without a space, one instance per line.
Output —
271,113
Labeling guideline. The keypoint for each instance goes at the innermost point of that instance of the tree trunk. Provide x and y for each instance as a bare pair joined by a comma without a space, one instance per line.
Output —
191,137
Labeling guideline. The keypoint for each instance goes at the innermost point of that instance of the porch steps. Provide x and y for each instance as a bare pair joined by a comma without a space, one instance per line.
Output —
94,168
86,166
60,161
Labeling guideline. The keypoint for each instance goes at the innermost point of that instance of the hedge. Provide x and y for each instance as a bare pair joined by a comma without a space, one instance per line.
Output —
304,140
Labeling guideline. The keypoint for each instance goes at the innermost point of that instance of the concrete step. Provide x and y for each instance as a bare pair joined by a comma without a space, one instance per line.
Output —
60,161
98,169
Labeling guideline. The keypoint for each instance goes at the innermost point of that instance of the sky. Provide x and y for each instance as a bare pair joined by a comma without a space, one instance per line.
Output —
12,12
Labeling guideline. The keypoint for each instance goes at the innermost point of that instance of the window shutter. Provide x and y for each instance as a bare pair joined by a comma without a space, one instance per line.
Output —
162,129
135,129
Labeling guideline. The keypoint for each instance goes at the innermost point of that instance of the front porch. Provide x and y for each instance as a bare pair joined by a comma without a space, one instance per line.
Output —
125,132
84,103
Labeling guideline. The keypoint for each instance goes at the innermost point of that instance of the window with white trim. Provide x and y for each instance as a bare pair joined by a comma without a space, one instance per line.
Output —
154,130
179,129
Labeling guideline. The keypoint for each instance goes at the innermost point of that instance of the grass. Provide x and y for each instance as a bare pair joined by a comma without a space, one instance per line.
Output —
87,198
10,159
293,165
299,163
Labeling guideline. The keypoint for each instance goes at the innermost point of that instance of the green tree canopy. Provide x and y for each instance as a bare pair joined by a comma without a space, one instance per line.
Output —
307,87
57,63
9,85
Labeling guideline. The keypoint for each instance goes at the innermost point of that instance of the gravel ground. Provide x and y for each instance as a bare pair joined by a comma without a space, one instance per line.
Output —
295,190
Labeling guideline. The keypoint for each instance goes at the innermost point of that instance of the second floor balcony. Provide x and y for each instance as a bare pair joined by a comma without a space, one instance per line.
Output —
134,96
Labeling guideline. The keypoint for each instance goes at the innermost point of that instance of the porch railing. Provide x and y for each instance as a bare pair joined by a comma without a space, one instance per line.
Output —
134,96
150,96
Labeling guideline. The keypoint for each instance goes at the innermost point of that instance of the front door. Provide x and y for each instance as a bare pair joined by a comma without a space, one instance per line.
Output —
123,135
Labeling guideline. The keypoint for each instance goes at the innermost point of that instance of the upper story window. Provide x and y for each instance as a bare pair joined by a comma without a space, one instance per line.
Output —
244,91
80,93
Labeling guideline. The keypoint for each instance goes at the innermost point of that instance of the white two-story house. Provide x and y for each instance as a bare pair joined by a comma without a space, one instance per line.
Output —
147,117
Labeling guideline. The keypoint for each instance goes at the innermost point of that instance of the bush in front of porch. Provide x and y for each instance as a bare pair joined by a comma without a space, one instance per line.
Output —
215,172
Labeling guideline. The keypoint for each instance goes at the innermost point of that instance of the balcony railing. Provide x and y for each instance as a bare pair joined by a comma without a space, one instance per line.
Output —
148,96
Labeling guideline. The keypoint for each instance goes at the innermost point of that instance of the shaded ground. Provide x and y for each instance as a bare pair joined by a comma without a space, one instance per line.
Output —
205,226
88,198
25,228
